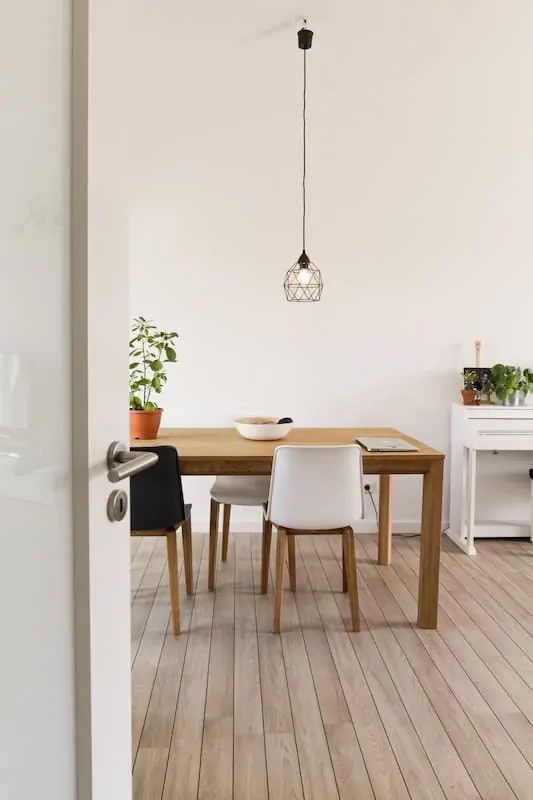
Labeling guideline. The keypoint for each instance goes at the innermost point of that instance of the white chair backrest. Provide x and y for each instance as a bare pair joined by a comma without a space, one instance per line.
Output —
316,488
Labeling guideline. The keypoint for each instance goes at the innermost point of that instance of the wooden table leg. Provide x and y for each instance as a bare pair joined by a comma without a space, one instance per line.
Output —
430,541
351,573
385,520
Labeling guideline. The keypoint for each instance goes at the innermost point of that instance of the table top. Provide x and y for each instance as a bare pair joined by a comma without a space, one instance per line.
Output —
222,451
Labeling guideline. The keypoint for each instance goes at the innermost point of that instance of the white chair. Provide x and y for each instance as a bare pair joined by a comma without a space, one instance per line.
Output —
232,491
315,490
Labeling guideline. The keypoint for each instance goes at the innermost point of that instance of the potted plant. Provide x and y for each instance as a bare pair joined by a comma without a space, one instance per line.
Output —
486,391
507,382
469,391
150,351
526,385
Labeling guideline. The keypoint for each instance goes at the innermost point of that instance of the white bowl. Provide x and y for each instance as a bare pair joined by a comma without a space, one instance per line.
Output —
265,429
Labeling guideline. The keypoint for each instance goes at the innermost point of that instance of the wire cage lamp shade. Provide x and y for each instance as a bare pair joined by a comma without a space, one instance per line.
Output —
303,281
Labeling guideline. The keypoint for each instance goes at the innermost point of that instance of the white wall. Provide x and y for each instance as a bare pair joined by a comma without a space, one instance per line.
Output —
420,197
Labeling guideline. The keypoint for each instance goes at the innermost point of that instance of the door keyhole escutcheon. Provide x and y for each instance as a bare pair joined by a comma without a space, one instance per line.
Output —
117,505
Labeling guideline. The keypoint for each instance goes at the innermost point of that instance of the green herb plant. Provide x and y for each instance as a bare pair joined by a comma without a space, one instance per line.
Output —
526,384
469,378
506,380
150,351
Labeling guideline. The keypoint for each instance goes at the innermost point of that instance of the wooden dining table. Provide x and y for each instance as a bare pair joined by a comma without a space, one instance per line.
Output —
222,451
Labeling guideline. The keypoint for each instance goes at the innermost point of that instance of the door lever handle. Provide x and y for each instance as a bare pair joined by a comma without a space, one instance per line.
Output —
122,463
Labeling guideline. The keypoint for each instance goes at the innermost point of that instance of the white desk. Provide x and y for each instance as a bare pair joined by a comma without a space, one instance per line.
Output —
484,428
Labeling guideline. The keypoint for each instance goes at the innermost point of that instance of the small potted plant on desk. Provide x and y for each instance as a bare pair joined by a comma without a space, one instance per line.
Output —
507,382
469,392
150,351
526,385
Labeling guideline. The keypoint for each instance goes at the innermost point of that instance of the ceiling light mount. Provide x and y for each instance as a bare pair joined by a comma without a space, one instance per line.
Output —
305,37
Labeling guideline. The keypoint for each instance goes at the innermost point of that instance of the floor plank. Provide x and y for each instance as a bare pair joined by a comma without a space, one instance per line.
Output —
317,598
231,710
284,779
147,659
183,771
149,773
468,677
283,766
249,767
160,712
216,770
398,607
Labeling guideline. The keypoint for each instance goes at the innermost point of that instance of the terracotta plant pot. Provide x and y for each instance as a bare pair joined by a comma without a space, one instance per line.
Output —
469,397
145,424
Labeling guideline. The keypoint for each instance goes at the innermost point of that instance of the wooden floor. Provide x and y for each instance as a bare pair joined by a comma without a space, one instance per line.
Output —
230,710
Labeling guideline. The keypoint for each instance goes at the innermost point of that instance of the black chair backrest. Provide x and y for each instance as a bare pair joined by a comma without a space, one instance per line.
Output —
157,493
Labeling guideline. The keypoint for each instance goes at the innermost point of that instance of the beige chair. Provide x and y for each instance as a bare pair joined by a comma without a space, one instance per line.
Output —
227,492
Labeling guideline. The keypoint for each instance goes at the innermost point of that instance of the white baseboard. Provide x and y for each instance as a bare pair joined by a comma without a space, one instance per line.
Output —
366,526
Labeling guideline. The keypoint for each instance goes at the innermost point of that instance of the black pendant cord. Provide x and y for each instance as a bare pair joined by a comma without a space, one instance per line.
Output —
303,281
304,120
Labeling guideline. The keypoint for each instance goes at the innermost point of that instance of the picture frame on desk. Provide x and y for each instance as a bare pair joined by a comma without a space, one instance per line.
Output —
484,376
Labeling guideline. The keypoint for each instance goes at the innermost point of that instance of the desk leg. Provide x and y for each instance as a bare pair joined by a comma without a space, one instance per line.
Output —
471,500
385,520
463,533
430,541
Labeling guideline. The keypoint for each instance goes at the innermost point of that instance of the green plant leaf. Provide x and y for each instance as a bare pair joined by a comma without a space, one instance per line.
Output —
150,350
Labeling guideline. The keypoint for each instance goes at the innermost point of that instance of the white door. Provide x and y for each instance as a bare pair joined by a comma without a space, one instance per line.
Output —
64,568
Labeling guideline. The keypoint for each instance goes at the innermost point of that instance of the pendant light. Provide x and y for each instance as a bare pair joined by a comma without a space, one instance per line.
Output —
303,281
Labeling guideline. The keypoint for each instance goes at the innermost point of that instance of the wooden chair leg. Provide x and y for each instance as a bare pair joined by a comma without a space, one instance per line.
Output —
292,562
213,544
344,576
225,531
172,553
265,555
186,533
351,574
281,547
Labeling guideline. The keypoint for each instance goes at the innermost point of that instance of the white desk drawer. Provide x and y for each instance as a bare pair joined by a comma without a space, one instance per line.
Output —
523,442
478,413
489,433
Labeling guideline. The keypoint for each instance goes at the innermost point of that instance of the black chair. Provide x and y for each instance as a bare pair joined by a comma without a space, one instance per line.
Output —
158,509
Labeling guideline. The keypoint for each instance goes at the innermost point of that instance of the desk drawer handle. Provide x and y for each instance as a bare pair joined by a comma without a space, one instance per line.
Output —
505,433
